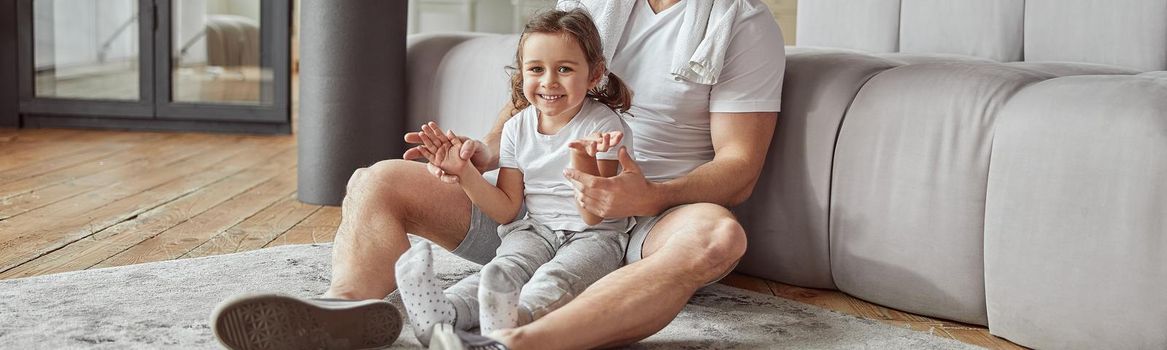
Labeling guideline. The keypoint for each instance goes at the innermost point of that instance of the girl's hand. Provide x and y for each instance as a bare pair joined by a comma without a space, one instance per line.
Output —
443,150
597,143
473,150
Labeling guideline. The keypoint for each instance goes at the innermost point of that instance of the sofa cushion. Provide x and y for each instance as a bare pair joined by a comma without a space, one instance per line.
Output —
983,28
869,25
786,217
468,87
908,189
1075,224
424,54
1129,33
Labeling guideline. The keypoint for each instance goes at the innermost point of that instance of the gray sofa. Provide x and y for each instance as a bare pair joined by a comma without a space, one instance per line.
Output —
994,162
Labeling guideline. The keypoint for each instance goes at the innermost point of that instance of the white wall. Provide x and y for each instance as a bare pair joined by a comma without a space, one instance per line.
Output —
189,22
491,16
245,8
72,32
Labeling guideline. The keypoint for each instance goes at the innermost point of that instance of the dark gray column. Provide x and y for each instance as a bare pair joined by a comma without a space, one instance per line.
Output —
8,80
352,88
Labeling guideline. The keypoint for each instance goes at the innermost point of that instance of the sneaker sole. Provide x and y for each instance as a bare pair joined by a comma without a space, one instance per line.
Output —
262,322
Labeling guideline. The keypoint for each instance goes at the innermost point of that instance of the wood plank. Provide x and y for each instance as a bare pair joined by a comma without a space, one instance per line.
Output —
181,239
76,219
17,154
842,302
257,230
76,156
304,235
8,134
43,135
115,136
106,243
88,168
320,227
829,299
25,195
50,145
982,337
746,282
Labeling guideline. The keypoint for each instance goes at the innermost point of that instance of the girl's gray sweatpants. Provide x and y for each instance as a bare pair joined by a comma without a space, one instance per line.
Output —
557,266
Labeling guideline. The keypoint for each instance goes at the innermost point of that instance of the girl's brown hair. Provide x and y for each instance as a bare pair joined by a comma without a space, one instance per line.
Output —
578,25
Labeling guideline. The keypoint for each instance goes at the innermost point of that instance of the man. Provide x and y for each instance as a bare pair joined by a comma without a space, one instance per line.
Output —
700,150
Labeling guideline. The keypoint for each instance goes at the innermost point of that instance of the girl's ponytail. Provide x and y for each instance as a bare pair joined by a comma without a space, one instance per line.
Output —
616,94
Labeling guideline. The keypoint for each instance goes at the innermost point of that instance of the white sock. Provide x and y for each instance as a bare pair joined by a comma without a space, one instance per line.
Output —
498,300
424,300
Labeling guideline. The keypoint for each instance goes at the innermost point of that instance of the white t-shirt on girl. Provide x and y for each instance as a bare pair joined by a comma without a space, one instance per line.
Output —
550,198
670,117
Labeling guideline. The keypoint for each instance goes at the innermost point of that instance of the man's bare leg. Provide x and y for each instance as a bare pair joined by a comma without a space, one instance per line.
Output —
685,250
384,202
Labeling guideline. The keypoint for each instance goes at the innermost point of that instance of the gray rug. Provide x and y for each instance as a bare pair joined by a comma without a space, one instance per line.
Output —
166,304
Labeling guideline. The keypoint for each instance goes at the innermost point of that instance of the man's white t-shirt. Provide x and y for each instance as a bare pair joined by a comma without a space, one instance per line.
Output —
671,118
550,198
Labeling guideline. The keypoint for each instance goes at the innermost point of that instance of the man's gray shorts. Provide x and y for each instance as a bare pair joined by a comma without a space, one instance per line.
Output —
482,240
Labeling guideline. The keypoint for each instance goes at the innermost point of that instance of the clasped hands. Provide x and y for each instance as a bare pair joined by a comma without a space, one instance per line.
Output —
628,193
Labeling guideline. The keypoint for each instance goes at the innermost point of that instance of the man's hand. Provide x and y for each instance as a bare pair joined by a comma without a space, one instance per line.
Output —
583,160
473,150
626,194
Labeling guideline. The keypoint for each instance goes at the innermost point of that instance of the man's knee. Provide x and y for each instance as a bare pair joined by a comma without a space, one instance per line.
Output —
727,243
721,244
376,177
358,178
369,191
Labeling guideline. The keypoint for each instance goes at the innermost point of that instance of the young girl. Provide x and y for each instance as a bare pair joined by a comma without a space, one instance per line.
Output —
558,247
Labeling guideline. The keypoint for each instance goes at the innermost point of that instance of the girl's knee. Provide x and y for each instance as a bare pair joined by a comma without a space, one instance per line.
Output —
511,268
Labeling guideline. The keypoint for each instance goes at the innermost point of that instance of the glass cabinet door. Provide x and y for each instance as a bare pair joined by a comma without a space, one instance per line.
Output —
87,57
221,60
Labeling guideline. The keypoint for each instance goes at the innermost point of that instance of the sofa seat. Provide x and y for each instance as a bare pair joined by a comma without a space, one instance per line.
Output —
1075,218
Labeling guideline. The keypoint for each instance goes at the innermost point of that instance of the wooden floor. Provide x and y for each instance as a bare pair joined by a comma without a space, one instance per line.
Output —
74,200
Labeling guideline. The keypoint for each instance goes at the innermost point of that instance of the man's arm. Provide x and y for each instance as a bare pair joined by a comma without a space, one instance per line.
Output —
740,143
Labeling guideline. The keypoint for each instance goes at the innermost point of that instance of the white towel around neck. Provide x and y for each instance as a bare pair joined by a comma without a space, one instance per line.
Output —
700,52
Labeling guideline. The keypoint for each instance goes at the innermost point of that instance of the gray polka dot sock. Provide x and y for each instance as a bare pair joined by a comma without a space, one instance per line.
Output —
498,300
423,298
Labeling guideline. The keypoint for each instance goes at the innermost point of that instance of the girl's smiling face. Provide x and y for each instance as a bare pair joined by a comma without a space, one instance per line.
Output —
556,75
